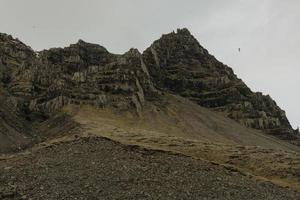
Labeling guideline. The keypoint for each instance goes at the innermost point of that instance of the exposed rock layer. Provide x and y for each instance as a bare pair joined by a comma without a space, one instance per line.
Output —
179,64
41,83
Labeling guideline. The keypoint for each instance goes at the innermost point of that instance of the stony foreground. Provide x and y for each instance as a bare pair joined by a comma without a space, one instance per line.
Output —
98,168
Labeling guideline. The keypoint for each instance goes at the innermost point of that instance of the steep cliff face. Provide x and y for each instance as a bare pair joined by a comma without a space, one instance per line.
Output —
88,74
178,63
82,73
41,83
15,131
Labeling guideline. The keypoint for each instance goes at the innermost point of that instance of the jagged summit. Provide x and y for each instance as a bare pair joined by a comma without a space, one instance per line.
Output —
178,63
181,31
86,45
134,51
80,41
87,74
10,46
138,120
186,43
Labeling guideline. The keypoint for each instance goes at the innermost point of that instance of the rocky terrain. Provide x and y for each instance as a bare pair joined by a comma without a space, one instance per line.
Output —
178,63
97,168
40,83
178,124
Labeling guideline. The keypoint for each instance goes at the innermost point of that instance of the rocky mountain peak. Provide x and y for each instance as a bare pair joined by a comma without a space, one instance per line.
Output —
179,47
184,31
14,47
81,42
86,45
134,51
179,64
86,73
138,121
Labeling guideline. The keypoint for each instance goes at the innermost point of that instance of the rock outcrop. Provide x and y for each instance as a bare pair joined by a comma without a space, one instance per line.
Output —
15,131
179,64
82,73
41,83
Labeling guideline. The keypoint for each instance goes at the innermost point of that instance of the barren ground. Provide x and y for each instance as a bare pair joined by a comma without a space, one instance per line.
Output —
97,168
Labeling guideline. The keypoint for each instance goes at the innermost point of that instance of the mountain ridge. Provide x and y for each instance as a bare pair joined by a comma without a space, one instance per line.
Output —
42,83
88,119
183,66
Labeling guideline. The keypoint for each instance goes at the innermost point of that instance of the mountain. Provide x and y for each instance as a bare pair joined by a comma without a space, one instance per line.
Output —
179,64
174,98
41,83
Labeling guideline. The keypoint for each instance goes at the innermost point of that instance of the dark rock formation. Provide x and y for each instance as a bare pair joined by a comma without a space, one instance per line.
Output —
179,64
82,73
15,131
41,83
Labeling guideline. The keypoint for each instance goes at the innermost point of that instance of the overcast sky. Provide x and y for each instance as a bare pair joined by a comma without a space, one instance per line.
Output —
267,31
